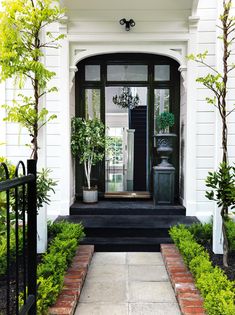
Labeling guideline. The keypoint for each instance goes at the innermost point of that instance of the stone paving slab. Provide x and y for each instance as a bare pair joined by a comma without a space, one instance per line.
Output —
127,284
143,291
114,292
153,309
109,258
147,273
109,273
102,309
144,259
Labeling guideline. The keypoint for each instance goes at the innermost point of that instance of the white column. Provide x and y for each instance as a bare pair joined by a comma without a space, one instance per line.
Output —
130,158
217,241
65,121
42,163
190,143
2,123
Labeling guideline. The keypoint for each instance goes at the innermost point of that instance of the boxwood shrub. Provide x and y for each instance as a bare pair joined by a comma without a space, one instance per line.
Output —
217,291
55,261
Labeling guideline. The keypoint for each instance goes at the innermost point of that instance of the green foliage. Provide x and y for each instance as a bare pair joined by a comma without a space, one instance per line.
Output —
11,170
222,184
202,232
88,142
88,139
10,166
44,185
199,265
230,230
22,23
217,291
3,248
48,293
3,255
114,148
55,262
164,121
25,115
179,232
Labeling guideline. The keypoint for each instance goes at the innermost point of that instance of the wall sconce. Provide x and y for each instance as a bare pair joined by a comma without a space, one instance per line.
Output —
128,24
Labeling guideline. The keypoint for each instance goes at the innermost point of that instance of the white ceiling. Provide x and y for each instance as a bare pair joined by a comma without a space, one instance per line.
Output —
130,4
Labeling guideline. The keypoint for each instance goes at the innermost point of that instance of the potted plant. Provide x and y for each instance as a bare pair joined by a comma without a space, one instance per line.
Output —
88,144
164,139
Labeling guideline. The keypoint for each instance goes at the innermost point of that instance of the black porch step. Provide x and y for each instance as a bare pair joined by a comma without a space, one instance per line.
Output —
99,221
127,225
125,207
127,232
127,244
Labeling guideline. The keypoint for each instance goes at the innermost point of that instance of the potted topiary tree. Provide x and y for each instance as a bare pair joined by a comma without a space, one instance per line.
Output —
164,139
88,145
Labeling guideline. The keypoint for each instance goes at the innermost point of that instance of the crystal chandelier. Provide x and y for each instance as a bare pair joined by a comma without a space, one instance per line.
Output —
126,99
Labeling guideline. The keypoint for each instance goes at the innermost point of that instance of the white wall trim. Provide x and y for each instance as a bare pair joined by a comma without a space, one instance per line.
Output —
81,51
190,141
65,121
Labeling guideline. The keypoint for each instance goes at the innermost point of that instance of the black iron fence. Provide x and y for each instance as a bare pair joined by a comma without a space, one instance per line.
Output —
19,229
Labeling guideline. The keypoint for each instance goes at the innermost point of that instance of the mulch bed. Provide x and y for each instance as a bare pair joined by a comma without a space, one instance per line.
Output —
217,260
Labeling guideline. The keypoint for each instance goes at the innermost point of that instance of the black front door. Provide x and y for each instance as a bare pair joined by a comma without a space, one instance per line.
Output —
128,162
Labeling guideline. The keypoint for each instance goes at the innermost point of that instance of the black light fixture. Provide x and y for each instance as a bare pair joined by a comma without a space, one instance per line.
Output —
128,24
126,99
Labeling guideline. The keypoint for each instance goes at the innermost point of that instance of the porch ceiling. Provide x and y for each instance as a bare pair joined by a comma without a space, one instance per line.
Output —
189,5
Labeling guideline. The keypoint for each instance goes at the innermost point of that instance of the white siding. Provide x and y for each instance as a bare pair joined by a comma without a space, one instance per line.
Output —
207,148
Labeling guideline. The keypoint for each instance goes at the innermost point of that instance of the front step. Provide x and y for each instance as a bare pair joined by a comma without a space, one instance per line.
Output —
127,232
128,244
125,207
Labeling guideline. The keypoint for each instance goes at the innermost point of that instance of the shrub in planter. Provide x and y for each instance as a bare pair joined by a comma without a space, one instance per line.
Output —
88,145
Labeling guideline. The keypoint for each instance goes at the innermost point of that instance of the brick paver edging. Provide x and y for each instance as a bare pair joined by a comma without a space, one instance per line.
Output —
73,282
189,298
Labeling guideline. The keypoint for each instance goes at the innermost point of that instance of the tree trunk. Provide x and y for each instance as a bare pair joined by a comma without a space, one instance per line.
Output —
225,242
36,87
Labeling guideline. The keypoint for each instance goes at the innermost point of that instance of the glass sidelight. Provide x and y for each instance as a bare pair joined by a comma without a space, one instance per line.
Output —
126,131
161,102
92,103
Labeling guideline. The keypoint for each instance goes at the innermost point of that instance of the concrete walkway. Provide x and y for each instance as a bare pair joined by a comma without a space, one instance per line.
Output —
127,284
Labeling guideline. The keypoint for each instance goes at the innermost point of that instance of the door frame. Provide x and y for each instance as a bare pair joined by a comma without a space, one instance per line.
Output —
130,59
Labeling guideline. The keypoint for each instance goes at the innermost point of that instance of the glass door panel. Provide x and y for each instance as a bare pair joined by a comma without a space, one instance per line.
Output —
126,130
92,103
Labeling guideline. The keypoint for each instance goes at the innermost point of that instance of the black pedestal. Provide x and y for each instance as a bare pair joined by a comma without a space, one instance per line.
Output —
163,184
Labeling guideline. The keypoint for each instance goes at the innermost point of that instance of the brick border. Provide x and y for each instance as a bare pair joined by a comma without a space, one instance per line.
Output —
189,298
73,282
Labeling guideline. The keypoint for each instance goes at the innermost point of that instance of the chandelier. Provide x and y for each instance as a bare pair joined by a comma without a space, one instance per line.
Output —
126,99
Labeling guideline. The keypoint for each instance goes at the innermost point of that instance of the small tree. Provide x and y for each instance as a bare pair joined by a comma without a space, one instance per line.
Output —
88,143
21,51
217,83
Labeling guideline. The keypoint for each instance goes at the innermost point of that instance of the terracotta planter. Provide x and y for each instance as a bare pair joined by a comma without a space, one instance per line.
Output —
90,195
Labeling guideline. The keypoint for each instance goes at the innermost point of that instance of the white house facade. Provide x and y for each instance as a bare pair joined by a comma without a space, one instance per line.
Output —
165,31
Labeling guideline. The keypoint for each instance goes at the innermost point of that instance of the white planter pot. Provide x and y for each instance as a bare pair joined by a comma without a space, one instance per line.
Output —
90,195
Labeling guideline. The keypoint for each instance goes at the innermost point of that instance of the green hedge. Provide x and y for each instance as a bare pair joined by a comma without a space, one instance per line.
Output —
55,262
202,232
3,249
218,292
